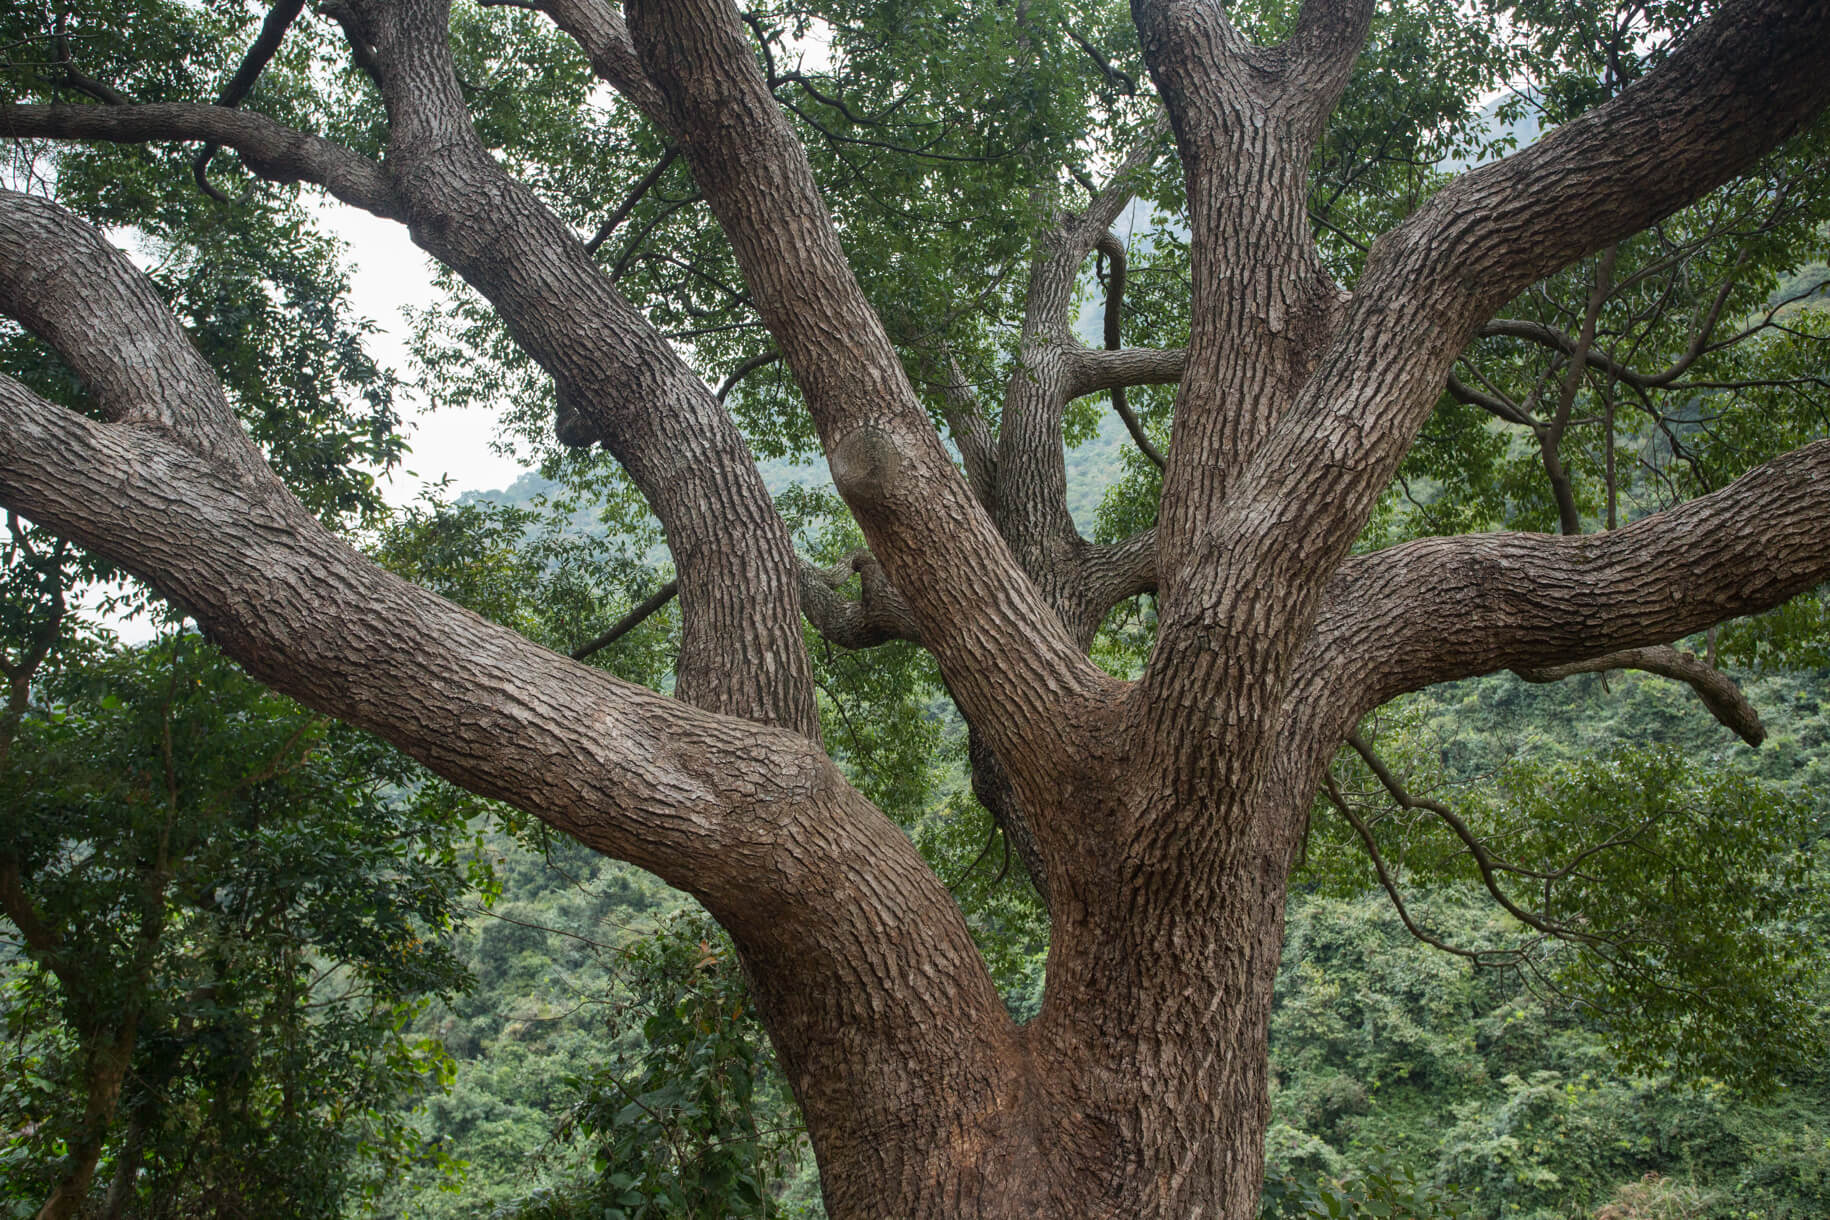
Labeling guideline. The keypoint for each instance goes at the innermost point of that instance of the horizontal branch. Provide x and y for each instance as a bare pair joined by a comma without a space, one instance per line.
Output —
309,616
270,149
1091,371
1440,609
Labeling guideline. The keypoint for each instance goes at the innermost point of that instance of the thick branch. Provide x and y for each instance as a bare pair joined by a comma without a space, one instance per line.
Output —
1439,609
1740,84
1322,50
601,33
936,543
61,280
741,648
1091,371
757,822
877,617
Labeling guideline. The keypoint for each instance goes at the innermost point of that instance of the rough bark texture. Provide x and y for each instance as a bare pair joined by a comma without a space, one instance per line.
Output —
1160,817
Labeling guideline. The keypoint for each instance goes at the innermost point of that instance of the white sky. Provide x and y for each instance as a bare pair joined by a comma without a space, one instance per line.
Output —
388,275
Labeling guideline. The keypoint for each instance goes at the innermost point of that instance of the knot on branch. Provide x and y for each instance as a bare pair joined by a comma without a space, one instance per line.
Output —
865,466
571,427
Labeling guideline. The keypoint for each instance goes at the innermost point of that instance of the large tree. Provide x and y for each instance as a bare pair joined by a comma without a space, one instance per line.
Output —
1159,815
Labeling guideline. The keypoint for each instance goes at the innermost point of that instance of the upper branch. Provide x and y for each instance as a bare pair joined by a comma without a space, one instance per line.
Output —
1322,50
601,33
936,543
742,650
1741,83
61,280
266,45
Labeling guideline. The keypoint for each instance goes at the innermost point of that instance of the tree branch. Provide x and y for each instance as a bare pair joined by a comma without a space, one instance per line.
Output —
1742,82
1440,609
602,34
1091,371
741,653
1484,863
629,622
1322,50
971,433
634,197
1721,694
1114,252
1389,884
878,616
754,821
273,30
937,545
1032,474
1737,86
270,149
744,369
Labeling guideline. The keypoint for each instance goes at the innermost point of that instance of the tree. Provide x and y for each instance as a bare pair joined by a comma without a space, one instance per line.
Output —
231,908
1159,813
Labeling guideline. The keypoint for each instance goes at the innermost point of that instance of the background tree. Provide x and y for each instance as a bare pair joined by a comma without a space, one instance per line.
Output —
233,906
1158,813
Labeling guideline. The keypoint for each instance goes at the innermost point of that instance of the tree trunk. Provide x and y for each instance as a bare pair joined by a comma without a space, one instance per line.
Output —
126,1166
109,1059
1162,813
1140,1089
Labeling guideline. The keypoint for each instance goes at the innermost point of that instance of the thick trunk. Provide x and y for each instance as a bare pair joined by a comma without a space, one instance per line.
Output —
1140,1090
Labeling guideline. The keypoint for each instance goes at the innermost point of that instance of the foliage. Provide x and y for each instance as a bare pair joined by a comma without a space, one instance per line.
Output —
255,899
681,1117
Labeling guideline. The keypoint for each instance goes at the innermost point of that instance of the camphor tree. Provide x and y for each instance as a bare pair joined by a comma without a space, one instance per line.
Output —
1159,813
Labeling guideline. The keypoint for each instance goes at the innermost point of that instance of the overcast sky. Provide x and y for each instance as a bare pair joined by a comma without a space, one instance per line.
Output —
387,275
